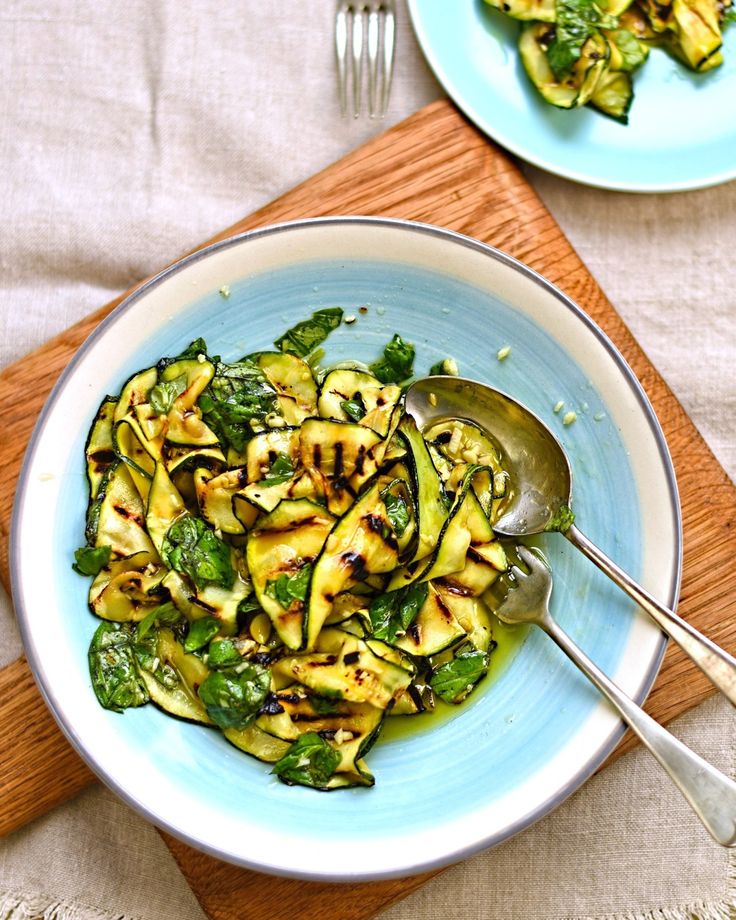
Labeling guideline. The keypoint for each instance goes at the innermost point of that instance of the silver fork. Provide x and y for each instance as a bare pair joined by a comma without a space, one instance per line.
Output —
365,26
711,794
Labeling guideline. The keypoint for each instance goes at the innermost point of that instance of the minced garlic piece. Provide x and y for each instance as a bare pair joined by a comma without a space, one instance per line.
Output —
455,440
342,735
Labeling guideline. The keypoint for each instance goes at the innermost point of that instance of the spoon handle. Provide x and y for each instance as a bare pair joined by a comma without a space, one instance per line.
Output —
711,794
717,665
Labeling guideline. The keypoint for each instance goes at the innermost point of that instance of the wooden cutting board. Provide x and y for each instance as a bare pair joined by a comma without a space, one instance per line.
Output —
434,167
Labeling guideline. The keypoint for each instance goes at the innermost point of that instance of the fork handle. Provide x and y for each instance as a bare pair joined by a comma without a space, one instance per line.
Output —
717,665
711,794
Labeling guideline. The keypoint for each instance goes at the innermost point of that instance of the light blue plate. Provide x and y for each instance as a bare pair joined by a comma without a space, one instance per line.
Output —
535,730
682,126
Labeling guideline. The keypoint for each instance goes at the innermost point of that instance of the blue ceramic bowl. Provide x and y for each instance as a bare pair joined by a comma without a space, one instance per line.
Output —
536,730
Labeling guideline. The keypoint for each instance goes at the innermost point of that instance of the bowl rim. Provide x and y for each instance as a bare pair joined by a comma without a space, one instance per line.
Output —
66,723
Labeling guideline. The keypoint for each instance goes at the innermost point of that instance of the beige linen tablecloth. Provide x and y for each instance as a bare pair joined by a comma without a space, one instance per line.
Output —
130,132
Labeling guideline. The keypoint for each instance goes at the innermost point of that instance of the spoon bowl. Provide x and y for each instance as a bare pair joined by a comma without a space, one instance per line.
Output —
539,468
541,496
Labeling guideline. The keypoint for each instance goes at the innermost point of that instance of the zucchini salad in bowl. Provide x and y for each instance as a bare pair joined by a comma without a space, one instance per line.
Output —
278,567
280,553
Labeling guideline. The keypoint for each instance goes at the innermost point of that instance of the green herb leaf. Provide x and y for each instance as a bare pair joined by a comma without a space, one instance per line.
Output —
162,396
147,656
454,681
237,395
310,761
396,365
446,366
163,615
197,347
282,469
393,613
729,15
354,408
303,338
576,21
232,698
633,52
288,588
193,350
562,521
192,548
397,511
201,632
223,654
91,559
249,605
112,667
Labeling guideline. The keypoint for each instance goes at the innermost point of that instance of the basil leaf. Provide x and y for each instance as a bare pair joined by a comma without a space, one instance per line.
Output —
632,51
447,366
393,613
232,698
454,681
201,632
576,21
282,469
354,408
249,605
303,338
91,559
397,362
310,761
163,615
162,396
288,588
562,520
397,511
191,548
223,654
112,667
146,654
237,395
195,348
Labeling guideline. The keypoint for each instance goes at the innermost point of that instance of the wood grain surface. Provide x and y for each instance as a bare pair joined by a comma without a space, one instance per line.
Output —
437,168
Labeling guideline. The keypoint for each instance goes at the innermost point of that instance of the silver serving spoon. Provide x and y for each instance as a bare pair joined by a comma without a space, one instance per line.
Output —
711,794
542,494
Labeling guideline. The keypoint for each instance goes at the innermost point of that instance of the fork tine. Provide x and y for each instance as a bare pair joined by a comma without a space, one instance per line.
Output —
357,58
341,49
365,29
372,59
389,45
529,557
